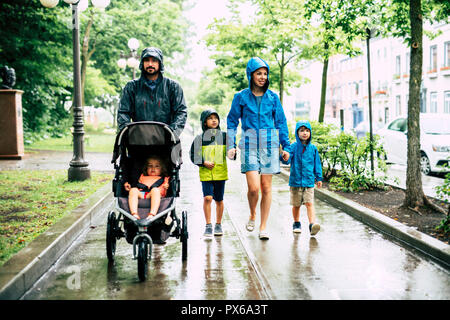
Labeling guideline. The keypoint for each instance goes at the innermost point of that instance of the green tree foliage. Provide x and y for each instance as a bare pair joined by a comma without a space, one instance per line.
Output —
271,35
154,23
335,27
36,43
209,93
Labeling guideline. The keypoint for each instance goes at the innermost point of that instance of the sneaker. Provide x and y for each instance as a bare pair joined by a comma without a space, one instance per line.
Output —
208,230
314,228
263,235
218,229
296,227
250,225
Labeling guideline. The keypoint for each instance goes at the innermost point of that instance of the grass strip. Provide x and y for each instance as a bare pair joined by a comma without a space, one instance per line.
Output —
32,201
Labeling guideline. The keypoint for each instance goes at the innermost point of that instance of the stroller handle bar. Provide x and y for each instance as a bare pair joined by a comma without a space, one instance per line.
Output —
173,136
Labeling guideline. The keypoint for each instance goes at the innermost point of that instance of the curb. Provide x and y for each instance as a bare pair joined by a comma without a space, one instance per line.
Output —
20,272
433,248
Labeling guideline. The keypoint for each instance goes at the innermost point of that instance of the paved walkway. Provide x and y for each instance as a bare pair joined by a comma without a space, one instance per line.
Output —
358,275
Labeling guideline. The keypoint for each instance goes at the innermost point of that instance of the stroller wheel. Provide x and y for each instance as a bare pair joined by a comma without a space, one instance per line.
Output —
184,236
143,255
110,236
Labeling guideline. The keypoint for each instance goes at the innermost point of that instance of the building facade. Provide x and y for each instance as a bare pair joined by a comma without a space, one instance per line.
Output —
347,81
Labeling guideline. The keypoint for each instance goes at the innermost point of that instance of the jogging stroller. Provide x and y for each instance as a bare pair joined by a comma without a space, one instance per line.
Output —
134,144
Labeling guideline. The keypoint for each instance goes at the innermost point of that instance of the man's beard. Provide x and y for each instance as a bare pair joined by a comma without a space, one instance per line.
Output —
150,71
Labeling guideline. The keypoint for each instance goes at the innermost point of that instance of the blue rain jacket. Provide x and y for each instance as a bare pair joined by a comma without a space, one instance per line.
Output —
264,126
306,167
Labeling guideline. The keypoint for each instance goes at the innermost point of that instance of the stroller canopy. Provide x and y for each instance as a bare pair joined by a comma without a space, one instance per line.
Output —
144,134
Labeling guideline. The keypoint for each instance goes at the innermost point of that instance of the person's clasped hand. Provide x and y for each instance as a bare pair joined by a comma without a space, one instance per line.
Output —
231,153
285,155
208,164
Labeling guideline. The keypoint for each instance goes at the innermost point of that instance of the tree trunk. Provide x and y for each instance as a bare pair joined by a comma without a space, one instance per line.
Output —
414,191
323,93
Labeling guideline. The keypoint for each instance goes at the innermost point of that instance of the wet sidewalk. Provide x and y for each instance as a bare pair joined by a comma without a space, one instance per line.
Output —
346,260
216,269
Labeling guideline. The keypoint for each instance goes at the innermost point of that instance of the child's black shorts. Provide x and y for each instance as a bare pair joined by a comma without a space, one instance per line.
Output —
214,188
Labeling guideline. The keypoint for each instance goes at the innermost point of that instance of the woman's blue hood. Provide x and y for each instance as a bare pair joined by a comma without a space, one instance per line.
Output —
302,123
253,65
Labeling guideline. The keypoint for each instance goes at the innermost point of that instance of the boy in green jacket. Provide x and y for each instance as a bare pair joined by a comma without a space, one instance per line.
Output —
208,151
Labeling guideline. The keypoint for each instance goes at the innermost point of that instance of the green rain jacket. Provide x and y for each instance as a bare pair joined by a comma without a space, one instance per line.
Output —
210,146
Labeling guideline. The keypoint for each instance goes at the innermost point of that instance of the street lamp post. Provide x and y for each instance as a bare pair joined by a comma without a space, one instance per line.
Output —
131,60
369,32
79,167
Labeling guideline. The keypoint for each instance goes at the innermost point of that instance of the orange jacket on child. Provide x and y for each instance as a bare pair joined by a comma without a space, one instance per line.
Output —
150,180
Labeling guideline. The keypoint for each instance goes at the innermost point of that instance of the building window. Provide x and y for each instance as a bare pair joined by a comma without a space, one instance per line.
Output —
423,100
447,102
386,114
433,102
433,58
447,54
397,65
398,106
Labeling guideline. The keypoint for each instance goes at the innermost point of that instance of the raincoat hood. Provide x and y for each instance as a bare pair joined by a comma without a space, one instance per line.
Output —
303,123
155,53
205,114
253,65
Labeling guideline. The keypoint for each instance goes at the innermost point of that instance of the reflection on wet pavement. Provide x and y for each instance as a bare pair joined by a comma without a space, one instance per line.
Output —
345,260
217,268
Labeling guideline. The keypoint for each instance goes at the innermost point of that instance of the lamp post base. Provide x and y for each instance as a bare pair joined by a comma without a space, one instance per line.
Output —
79,173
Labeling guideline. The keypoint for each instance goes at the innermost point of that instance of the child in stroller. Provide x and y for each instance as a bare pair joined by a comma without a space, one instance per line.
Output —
153,184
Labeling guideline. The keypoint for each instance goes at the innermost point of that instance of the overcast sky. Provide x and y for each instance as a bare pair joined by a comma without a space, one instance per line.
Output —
201,15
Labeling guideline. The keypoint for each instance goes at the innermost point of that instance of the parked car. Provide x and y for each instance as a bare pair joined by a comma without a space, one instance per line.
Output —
434,142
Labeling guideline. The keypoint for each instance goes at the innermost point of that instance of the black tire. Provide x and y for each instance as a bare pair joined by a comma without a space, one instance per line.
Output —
184,236
144,255
111,236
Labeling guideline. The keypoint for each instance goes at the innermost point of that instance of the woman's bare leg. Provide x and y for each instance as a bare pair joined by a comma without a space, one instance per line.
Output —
253,185
266,199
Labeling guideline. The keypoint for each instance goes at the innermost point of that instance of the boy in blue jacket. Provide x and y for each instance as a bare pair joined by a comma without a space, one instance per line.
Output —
306,170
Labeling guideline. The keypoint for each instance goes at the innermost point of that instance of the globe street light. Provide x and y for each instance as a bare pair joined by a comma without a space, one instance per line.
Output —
78,170
130,60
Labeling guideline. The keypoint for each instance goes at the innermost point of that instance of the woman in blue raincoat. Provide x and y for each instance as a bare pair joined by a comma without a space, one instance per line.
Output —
264,128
